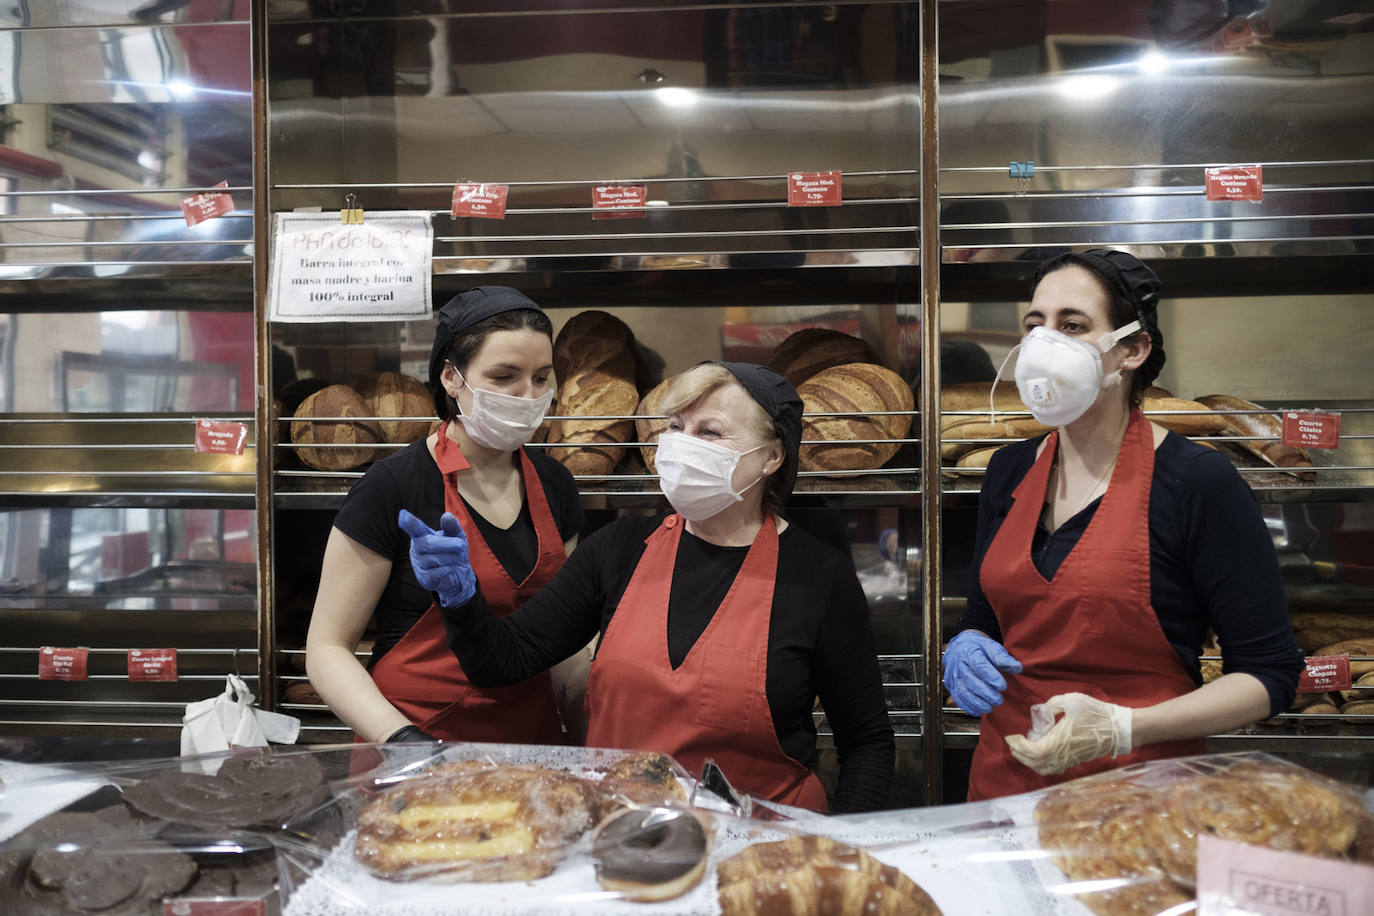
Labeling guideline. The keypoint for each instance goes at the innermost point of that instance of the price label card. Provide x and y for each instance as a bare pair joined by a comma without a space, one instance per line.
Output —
62,664
482,201
619,201
1304,429
1325,672
220,906
206,205
814,189
1237,879
221,437
1236,182
152,664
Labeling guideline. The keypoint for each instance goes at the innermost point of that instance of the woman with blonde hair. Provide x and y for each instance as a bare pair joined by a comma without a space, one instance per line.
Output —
720,623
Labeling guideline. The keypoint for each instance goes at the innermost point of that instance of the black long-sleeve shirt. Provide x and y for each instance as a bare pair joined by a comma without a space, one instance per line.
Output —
820,640
1212,561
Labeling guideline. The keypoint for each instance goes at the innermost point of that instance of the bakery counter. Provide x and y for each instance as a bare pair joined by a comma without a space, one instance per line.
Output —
411,829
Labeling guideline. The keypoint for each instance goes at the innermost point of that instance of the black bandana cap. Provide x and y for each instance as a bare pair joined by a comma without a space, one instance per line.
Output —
1126,273
780,401
460,313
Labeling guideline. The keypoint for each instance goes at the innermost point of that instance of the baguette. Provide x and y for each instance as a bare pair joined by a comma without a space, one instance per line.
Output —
1365,681
1357,624
974,396
1359,711
975,428
1200,421
978,458
1354,647
1270,450
1310,640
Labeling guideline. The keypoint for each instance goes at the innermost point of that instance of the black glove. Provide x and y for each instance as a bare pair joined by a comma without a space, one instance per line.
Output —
409,734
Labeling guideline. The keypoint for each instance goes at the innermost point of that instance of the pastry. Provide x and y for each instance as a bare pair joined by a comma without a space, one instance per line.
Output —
650,854
815,875
471,821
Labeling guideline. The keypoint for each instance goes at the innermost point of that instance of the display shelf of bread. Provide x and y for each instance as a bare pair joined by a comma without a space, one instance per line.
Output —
975,423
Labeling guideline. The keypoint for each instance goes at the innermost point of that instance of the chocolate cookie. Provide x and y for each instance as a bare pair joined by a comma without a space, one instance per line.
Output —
266,789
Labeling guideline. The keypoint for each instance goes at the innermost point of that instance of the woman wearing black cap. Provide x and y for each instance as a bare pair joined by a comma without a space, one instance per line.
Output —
1105,552
720,623
490,373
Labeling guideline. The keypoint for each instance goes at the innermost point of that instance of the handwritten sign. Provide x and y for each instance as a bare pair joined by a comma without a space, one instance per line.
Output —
618,201
1305,429
1236,182
814,189
378,270
483,201
206,205
152,664
220,436
1236,878
1325,672
62,664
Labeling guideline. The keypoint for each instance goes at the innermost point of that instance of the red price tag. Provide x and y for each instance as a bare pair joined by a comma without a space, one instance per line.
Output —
1237,182
152,664
226,906
618,201
206,205
814,189
1302,429
221,437
1325,672
483,201
62,664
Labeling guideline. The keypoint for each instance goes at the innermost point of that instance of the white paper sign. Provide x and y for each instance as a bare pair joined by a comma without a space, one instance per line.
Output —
323,270
1235,879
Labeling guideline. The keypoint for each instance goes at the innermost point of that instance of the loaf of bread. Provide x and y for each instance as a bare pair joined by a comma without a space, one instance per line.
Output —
1314,630
978,458
1200,420
1358,711
335,401
962,437
811,351
857,388
302,692
1364,646
1270,449
974,396
393,394
1365,681
593,360
646,429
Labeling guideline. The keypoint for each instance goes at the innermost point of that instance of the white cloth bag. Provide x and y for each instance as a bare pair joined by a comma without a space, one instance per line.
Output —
231,720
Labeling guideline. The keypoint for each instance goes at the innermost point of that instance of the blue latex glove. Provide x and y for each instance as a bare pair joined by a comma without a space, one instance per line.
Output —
971,663
440,558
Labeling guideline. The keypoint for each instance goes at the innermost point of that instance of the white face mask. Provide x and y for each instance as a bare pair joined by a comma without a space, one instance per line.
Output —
697,475
1059,376
503,421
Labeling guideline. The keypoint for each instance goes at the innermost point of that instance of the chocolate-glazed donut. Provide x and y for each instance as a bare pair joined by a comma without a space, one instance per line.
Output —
650,853
252,790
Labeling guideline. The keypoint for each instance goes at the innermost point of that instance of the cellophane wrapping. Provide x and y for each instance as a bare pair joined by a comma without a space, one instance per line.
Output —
1124,842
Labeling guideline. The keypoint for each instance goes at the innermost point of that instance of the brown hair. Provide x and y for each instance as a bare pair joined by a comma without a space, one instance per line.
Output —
468,341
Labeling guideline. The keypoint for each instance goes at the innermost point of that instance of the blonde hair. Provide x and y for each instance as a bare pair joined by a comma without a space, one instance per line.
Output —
701,381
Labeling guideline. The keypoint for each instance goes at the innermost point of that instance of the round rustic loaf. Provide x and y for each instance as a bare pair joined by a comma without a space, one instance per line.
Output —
859,388
335,401
810,351
394,394
648,430
594,363
597,341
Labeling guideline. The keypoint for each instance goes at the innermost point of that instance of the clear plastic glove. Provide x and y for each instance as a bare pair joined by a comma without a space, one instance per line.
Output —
972,677
1087,729
440,558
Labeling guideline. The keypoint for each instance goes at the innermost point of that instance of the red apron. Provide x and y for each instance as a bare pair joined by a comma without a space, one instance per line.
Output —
1089,630
421,676
715,704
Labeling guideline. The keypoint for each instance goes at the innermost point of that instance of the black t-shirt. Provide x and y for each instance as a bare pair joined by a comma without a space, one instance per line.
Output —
820,639
1212,561
409,479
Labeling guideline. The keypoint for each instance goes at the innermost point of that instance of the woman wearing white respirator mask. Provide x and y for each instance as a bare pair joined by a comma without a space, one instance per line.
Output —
720,623
1106,550
491,377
